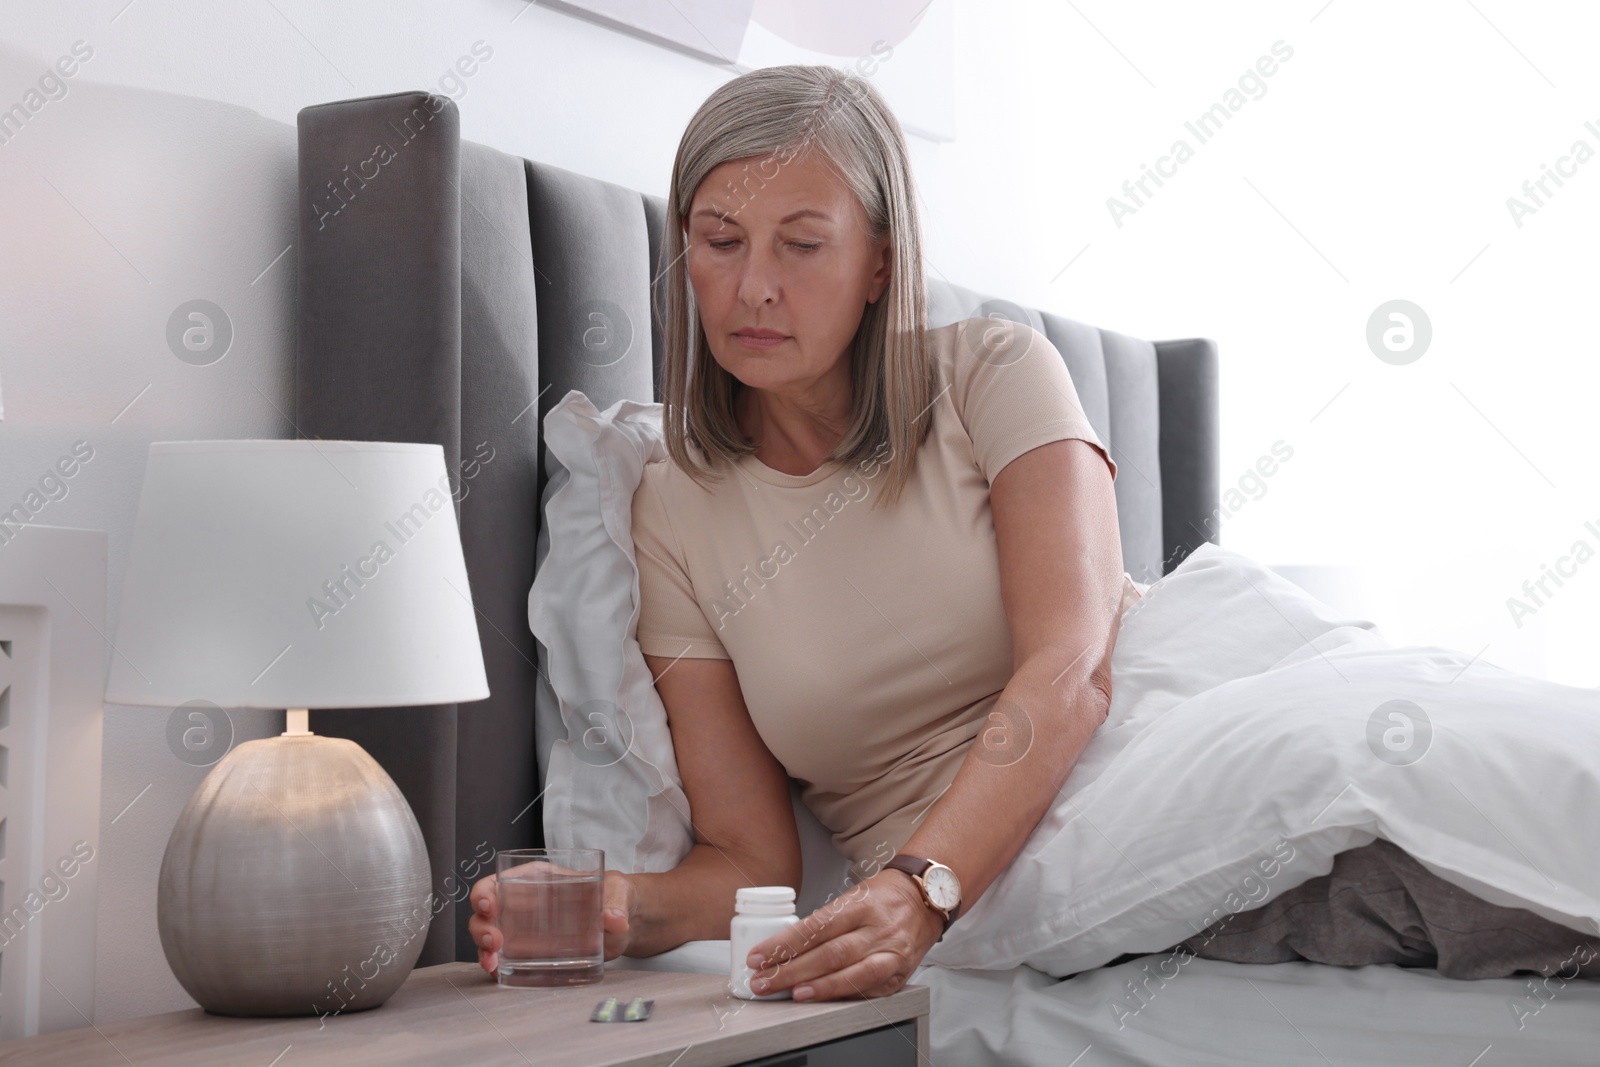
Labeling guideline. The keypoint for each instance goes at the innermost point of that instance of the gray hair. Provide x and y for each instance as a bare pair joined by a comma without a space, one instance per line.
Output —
776,113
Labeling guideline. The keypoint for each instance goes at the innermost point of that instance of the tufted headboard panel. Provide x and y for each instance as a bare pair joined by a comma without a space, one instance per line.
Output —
452,293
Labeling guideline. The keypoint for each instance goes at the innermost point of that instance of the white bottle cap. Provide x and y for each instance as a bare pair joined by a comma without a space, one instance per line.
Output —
764,900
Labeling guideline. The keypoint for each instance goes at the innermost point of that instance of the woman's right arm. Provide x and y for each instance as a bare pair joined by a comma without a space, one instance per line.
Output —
743,823
739,798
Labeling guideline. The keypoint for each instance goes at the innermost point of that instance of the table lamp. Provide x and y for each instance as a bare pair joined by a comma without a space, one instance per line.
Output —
295,574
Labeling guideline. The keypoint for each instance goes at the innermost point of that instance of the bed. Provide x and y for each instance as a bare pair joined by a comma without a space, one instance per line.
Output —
452,293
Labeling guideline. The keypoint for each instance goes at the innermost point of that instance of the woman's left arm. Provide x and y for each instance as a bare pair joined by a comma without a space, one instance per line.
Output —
1055,521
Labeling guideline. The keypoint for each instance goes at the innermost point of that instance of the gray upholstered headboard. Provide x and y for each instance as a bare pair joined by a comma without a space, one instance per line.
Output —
451,293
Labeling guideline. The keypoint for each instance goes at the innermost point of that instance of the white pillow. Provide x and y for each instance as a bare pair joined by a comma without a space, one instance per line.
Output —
1220,615
605,755
606,761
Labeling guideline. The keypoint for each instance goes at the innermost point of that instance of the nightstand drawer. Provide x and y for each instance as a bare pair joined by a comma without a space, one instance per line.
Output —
888,1046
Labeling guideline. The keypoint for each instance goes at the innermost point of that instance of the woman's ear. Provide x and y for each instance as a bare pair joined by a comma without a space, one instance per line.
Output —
881,276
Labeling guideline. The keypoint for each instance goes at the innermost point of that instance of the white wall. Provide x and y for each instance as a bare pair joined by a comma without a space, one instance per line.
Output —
1376,165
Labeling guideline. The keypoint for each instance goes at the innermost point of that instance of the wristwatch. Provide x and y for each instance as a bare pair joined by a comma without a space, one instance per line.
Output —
941,889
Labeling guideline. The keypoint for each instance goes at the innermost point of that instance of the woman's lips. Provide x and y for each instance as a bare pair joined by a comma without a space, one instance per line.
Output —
759,342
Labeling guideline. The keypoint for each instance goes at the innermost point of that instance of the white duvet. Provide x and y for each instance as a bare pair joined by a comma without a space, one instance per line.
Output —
1253,735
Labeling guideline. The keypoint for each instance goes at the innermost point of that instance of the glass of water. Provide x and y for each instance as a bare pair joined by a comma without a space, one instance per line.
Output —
549,916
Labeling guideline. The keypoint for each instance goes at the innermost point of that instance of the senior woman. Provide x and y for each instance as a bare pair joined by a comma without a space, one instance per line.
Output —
880,559
795,627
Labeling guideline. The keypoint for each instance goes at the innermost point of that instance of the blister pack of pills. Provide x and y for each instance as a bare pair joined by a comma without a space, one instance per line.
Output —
611,1010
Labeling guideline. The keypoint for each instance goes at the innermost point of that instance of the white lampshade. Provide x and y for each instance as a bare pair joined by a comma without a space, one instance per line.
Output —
296,574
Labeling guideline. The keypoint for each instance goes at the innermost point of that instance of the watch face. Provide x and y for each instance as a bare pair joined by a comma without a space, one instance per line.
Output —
944,889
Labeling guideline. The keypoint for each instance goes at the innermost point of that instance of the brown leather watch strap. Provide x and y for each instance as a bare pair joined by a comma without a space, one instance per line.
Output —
912,865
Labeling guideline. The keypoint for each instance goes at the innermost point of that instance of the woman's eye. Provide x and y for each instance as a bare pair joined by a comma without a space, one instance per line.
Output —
799,245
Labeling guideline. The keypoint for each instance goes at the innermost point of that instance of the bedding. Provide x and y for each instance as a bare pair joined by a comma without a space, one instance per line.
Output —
1379,905
1214,1014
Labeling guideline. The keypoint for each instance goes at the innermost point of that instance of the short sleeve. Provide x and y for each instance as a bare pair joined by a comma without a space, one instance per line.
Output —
1013,392
671,623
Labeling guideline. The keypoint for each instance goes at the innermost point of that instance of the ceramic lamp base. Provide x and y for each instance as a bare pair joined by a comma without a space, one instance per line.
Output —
295,882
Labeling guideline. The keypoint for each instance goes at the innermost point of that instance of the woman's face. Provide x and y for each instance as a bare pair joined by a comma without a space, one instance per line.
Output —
789,254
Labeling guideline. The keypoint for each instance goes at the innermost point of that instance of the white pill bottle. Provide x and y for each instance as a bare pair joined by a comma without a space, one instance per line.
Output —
758,913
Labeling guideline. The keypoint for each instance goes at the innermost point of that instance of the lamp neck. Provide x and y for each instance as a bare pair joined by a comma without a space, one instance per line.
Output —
295,720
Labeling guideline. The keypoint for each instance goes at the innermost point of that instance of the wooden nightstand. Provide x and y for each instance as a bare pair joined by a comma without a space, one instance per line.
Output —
454,1013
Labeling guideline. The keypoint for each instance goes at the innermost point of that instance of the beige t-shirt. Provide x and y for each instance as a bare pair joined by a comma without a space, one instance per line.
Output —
870,644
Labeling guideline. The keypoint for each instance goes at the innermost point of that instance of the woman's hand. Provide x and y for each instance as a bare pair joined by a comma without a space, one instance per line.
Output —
865,943
619,907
